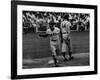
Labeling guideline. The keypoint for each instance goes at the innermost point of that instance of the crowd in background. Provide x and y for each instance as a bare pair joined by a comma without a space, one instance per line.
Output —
39,21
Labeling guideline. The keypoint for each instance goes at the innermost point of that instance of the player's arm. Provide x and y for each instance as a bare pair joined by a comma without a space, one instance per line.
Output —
61,33
43,35
46,34
68,30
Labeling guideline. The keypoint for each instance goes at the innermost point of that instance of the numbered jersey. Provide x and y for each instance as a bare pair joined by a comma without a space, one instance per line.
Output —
65,27
54,35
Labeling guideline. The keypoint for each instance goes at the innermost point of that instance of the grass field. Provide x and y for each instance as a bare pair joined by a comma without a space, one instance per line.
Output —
37,47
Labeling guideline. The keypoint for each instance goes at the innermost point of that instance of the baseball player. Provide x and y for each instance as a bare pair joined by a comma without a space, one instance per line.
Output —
66,39
53,32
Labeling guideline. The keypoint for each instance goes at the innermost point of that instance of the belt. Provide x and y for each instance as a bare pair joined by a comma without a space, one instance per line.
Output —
53,40
64,33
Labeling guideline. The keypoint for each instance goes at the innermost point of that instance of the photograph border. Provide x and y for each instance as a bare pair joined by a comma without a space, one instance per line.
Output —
14,38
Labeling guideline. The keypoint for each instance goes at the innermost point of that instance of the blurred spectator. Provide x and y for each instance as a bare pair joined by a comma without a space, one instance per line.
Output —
39,21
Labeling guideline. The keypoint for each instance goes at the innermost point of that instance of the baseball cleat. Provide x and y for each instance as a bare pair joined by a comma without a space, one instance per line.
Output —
57,65
70,58
65,59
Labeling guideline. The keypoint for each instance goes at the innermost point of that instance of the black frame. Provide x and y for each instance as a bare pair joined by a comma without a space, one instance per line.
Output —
14,39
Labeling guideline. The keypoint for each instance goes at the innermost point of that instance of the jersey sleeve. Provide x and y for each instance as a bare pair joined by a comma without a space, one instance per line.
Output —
69,25
48,31
61,25
57,30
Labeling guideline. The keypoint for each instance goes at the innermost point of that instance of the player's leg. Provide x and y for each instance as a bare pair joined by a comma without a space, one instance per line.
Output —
58,47
54,56
64,56
69,44
64,50
55,60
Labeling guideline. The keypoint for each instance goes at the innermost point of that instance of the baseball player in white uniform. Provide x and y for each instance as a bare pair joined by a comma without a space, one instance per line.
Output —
54,33
66,39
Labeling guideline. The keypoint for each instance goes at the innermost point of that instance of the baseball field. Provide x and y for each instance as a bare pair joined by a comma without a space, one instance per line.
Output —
36,50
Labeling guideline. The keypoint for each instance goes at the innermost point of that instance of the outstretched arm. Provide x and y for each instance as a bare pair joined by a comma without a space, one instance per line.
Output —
43,35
